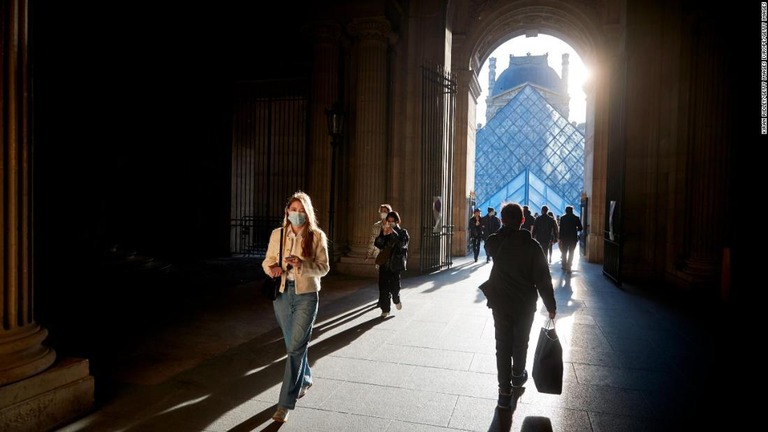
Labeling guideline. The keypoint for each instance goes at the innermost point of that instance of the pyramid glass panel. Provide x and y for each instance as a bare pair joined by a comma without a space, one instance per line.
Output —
529,134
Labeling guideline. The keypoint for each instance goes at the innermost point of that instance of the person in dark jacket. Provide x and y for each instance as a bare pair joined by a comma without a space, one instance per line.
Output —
544,229
528,219
476,231
393,242
492,223
570,225
520,270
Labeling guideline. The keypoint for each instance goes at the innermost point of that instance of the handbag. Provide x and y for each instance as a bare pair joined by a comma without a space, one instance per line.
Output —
487,289
548,361
383,256
271,286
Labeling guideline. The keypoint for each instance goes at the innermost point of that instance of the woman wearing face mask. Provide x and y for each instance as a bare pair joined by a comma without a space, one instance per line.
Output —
384,209
305,261
392,240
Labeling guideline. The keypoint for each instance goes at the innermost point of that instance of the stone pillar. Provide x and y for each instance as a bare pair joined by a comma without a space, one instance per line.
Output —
33,396
22,353
596,159
368,150
707,172
325,91
468,90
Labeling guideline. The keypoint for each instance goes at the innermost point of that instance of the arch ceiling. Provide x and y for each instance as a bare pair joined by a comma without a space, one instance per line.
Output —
493,23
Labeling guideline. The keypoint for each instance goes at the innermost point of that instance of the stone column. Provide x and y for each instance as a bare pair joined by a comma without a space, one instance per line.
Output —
325,91
468,90
33,395
368,151
708,160
22,353
596,159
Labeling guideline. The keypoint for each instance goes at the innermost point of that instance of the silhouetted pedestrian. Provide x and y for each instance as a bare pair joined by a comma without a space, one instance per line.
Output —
491,224
570,226
519,272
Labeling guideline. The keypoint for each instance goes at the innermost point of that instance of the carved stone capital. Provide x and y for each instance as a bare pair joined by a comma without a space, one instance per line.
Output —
325,32
375,28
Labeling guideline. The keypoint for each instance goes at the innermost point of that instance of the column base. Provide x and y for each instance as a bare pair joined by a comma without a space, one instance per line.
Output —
356,266
51,399
595,248
700,274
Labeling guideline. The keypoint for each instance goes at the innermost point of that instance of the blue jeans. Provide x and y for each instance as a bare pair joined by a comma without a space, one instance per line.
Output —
295,314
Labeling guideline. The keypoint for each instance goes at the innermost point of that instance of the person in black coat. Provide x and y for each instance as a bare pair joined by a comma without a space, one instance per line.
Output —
393,242
520,272
544,229
476,231
570,226
492,223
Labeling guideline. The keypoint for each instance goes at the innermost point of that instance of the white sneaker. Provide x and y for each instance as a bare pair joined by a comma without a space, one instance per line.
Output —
384,314
399,305
281,415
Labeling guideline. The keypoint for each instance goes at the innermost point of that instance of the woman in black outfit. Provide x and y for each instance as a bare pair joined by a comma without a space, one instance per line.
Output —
393,243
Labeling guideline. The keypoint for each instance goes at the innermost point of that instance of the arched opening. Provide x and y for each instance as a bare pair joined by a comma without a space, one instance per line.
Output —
580,29
530,131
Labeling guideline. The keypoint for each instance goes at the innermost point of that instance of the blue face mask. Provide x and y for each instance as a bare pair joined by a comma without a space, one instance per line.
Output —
297,218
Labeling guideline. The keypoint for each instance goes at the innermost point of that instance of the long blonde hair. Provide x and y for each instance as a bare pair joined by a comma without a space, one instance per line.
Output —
307,247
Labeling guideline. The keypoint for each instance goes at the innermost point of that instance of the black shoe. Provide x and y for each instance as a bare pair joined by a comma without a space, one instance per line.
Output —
505,400
518,381
488,260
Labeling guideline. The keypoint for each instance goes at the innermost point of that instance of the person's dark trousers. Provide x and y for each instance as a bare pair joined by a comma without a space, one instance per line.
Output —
567,248
476,246
389,287
549,252
512,330
544,243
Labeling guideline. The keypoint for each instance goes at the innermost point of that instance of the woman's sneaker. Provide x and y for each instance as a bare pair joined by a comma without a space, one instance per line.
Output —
281,415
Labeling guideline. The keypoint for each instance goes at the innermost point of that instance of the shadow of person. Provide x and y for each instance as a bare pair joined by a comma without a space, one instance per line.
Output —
200,397
536,424
257,420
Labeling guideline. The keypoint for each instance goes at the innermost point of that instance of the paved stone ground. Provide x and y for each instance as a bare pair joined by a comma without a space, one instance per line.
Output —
634,361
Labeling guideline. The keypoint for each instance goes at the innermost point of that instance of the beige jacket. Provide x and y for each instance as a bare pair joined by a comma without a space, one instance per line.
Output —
373,251
312,268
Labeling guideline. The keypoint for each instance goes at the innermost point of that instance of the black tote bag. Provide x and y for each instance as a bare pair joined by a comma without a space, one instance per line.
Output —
548,361
270,288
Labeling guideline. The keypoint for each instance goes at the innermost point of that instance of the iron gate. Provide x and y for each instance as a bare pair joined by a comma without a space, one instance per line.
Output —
438,103
269,157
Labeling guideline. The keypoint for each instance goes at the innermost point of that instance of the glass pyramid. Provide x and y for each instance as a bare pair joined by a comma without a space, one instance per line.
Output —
529,135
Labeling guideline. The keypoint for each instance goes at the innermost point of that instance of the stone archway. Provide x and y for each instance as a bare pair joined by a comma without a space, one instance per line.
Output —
591,31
